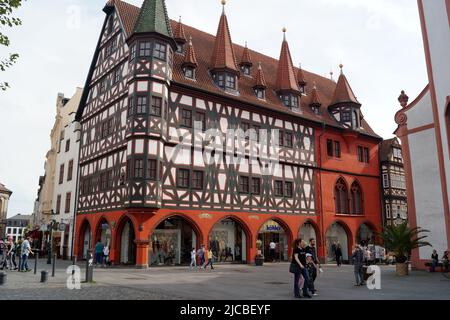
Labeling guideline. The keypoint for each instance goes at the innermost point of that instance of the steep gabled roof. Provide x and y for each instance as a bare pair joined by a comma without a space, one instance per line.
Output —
178,34
260,78
286,79
223,56
343,92
153,17
246,57
315,97
190,57
204,43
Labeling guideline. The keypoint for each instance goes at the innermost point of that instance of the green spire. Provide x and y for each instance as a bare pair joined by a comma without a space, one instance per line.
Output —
154,18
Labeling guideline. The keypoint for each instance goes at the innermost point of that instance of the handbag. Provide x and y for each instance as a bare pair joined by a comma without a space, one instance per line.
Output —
294,268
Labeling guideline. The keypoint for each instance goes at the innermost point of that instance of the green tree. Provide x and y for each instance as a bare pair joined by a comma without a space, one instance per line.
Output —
402,240
7,8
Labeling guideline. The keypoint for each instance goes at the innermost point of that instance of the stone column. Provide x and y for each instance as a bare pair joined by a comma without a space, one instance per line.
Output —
142,254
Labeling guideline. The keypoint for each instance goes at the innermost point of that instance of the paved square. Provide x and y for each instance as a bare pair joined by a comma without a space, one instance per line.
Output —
226,282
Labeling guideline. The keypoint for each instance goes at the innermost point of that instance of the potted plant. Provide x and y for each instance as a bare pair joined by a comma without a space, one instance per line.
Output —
401,240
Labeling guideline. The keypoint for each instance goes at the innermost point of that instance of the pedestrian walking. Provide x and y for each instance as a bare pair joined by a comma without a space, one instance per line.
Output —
358,261
298,268
26,251
105,255
272,251
211,256
201,255
338,255
99,253
434,261
193,259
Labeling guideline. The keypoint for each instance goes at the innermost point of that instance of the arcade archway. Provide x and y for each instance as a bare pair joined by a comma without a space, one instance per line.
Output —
337,237
85,239
273,241
172,242
103,233
307,232
365,235
228,240
126,242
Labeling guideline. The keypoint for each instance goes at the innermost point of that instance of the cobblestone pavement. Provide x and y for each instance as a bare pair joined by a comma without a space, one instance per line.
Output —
226,282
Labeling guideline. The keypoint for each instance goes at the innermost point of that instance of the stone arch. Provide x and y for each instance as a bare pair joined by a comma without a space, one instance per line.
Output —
308,236
171,244
85,238
371,229
101,233
125,240
337,233
240,245
284,242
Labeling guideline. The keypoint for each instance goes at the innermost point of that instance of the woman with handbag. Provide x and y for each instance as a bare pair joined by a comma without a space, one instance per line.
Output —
297,267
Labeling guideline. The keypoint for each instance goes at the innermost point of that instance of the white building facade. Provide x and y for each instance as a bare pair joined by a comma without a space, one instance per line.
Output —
424,127
66,173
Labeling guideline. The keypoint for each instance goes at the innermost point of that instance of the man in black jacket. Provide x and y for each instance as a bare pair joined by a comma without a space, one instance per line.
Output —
358,261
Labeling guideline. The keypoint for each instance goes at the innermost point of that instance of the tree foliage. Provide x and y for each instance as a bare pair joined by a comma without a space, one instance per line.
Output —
7,20
402,240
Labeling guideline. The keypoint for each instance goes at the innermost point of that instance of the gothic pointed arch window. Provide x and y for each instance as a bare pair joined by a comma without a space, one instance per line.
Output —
356,199
341,197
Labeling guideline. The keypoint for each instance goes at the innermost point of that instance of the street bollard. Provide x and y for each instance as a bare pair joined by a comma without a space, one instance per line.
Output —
89,267
53,266
44,276
36,258
3,278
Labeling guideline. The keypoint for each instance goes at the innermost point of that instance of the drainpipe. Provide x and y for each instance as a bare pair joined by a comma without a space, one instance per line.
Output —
322,230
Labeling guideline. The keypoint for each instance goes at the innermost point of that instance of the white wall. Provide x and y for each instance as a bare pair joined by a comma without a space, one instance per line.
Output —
439,40
427,190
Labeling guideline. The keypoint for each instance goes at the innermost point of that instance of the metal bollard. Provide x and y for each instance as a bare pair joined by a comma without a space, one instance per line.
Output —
53,266
44,276
36,258
3,278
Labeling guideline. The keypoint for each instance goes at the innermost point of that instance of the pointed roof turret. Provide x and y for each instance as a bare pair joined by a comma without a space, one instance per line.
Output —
246,59
315,97
223,56
343,92
190,58
178,34
286,79
301,77
260,78
153,18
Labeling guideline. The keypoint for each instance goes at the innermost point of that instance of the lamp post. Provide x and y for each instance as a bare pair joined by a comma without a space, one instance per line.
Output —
49,243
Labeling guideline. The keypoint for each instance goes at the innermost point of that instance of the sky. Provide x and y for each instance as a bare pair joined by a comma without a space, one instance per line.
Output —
378,41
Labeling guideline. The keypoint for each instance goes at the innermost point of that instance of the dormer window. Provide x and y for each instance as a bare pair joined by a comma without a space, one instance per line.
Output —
180,48
315,109
246,70
355,119
302,89
260,94
290,100
189,72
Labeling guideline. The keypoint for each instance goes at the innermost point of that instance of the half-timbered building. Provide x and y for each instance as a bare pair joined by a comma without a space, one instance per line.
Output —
160,173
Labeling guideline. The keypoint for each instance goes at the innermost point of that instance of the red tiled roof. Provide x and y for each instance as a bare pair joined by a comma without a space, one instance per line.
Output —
223,56
246,57
301,77
343,92
204,43
260,78
179,33
190,57
315,97
286,79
